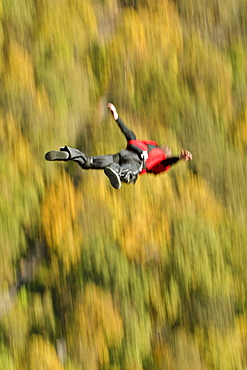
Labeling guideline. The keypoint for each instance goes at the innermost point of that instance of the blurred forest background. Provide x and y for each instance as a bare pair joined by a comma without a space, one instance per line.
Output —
152,276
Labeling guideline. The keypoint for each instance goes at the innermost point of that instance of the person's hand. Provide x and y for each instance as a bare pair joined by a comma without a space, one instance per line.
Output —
113,110
186,155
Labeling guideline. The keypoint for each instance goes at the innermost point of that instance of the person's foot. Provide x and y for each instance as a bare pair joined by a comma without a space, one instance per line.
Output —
113,176
57,155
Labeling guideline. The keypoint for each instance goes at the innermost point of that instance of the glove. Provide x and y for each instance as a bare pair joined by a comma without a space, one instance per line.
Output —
144,156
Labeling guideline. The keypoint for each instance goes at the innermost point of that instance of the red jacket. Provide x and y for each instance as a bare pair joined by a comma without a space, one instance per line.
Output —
155,155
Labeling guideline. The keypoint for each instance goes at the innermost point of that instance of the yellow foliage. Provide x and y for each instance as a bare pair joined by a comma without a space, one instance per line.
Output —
7,273
19,69
42,100
1,9
132,30
223,350
64,23
59,219
139,222
209,74
157,299
10,131
84,11
198,198
97,327
180,351
133,364
144,232
40,355
240,132
16,146
42,312
172,302
16,327
2,39
23,155
163,356
162,26
241,329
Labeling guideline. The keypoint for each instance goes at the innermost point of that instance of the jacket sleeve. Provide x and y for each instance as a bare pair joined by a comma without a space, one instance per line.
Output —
135,149
163,166
170,161
129,135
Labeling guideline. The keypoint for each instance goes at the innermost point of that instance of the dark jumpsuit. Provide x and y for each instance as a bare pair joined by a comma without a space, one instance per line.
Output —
124,161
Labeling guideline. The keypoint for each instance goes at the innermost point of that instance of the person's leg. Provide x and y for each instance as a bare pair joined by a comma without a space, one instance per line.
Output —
125,170
66,153
100,162
130,165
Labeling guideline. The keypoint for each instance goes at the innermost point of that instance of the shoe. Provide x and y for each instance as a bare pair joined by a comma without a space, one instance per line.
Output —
125,176
113,176
57,155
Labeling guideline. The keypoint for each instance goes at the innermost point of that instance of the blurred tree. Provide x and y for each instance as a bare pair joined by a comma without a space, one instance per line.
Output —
18,20
143,236
19,94
137,340
177,349
19,68
6,361
199,199
172,302
141,79
90,334
217,20
15,326
227,344
42,314
40,355
207,135
22,186
160,279
200,267
2,39
207,73
64,33
59,220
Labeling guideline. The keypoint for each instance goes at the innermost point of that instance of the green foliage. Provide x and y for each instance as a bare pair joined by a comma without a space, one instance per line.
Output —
18,19
6,361
15,328
208,75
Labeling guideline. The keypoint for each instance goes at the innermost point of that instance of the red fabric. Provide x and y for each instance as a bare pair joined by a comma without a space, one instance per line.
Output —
158,168
142,144
155,156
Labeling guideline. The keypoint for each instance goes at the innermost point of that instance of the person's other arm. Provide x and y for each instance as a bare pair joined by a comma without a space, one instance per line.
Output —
185,154
125,130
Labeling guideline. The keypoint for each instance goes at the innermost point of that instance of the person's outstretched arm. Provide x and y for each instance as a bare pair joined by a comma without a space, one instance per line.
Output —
125,130
185,154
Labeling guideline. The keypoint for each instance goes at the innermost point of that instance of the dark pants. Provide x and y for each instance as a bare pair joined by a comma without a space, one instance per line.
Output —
124,161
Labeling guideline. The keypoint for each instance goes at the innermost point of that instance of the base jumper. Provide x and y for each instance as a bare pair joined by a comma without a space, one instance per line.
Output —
139,157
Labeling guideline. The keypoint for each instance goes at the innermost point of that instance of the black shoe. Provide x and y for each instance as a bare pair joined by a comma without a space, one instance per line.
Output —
113,176
57,155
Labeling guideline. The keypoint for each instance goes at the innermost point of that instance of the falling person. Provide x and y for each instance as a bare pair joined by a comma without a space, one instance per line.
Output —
139,157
